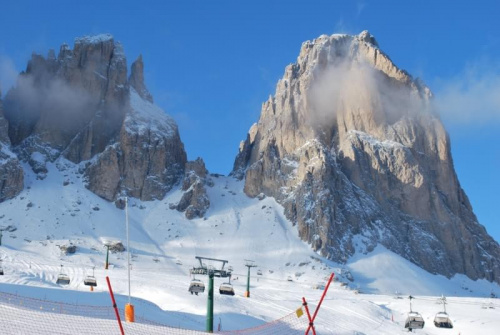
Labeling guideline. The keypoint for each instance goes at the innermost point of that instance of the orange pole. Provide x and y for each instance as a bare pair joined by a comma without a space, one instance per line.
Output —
311,324
129,313
114,306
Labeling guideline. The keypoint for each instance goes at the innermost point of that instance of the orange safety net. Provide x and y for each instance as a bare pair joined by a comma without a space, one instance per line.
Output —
23,315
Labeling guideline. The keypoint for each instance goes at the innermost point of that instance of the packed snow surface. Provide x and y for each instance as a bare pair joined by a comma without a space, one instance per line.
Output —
58,211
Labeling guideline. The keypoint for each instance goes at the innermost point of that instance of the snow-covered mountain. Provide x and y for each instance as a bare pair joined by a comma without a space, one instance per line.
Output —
307,196
350,145
82,106
58,211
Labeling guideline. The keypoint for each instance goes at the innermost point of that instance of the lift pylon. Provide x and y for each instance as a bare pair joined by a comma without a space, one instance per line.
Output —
212,272
249,264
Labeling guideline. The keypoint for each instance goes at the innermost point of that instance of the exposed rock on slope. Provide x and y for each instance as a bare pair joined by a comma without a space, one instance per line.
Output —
195,200
350,147
11,172
136,79
81,106
147,159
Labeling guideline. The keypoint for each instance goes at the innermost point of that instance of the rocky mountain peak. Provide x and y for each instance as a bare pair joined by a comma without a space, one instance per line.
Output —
81,106
350,146
136,79
365,36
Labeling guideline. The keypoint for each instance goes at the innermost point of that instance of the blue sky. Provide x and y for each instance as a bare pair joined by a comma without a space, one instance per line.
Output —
211,64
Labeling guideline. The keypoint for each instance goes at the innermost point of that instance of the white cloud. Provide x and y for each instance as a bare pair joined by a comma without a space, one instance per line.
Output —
356,86
8,73
359,7
471,97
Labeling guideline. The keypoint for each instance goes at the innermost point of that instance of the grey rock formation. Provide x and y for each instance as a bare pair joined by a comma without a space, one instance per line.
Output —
147,159
11,172
195,201
350,146
136,79
80,106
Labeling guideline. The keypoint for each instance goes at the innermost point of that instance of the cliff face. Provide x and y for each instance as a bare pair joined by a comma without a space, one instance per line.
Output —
351,148
11,172
81,106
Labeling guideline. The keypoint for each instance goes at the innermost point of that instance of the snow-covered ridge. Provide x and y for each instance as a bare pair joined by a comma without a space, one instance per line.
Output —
5,150
146,116
93,39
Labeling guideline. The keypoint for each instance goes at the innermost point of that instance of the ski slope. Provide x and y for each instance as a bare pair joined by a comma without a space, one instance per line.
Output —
59,211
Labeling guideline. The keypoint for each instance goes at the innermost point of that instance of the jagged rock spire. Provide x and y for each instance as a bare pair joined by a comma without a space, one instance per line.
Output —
136,79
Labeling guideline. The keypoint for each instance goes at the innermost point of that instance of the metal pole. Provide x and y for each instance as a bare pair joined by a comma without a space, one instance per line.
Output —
128,248
107,257
247,293
210,304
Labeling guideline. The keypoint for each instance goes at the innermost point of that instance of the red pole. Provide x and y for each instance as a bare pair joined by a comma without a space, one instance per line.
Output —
311,324
114,306
319,305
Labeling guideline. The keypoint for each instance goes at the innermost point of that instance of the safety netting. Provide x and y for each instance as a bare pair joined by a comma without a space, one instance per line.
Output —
25,315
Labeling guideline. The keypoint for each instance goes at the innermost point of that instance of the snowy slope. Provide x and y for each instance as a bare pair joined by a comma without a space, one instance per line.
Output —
60,211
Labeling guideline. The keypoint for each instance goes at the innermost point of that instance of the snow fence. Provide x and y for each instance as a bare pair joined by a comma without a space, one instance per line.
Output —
24,315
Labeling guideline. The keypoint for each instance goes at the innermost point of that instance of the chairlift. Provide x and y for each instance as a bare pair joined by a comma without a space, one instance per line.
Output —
230,268
90,280
226,289
442,320
196,286
414,319
259,272
62,278
488,305
289,278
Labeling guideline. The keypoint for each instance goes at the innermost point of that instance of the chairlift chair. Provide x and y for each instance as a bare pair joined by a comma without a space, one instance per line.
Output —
196,286
289,278
414,319
226,289
442,320
259,272
90,280
62,278
1,268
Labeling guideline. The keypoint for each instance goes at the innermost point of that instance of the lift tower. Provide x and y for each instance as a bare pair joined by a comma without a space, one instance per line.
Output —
211,272
249,264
